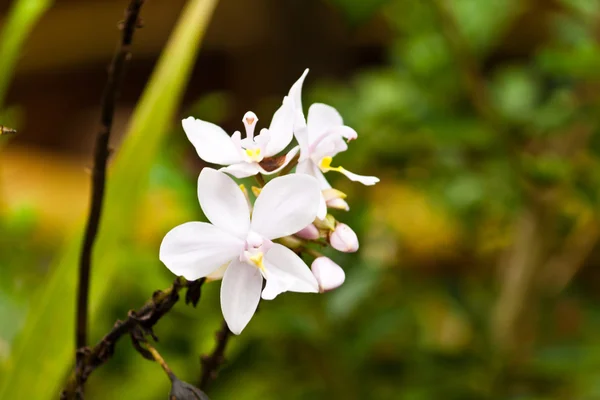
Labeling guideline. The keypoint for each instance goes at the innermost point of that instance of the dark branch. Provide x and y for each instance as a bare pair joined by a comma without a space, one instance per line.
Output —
142,320
212,362
116,73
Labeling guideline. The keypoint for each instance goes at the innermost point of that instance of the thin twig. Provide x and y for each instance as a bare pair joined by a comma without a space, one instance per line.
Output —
212,362
145,318
116,73
158,358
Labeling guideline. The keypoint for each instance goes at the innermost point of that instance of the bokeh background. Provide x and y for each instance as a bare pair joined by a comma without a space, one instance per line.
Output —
478,273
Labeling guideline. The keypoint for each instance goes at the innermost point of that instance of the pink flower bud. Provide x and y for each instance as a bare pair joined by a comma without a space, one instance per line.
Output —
328,274
309,233
344,239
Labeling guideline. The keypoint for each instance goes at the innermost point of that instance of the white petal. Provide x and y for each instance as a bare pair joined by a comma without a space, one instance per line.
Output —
196,249
261,140
344,131
365,180
223,202
328,274
301,136
322,211
286,272
295,94
309,233
308,167
285,205
305,167
218,273
242,170
330,146
281,128
212,143
322,118
240,294
286,161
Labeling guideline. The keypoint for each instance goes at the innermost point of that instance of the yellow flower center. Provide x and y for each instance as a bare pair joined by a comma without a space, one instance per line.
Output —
325,165
257,259
254,154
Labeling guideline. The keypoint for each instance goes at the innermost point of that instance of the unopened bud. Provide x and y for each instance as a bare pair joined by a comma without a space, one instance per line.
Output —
328,274
327,223
309,233
335,199
181,390
344,239
339,204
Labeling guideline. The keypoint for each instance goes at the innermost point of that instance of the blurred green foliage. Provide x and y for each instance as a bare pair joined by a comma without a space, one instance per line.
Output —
17,25
476,275
44,339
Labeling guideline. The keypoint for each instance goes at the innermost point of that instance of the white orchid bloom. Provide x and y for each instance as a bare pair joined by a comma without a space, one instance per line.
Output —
244,243
321,140
242,157
321,137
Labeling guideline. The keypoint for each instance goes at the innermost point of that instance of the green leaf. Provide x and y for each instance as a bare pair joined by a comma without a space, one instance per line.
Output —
18,24
45,349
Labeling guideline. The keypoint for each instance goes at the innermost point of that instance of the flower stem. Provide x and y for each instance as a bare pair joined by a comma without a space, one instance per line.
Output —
158,358
260,180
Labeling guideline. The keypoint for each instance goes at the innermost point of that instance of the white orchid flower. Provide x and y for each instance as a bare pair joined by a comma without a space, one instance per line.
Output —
321,137
321,140
242,157
244,243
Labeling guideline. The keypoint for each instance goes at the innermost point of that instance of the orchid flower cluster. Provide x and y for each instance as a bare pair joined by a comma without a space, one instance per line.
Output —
247,243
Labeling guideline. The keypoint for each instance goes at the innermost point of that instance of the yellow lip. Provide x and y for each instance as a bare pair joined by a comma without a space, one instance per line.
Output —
253,154
325,165
258,260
